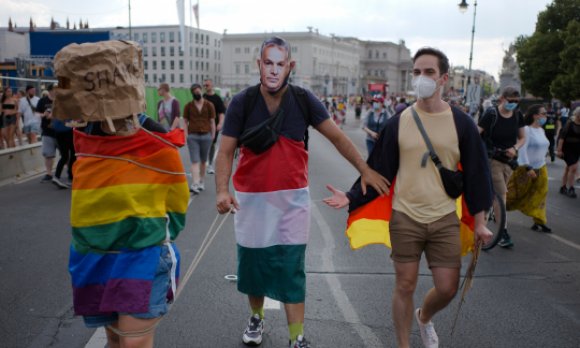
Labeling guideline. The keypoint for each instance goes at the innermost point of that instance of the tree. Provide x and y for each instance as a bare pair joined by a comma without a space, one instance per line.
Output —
566,86
539,55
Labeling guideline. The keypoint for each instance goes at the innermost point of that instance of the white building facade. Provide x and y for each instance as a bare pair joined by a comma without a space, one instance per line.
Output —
327,65
164,59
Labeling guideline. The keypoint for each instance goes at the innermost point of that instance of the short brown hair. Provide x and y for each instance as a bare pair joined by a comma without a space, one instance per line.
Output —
164,86
441,57
510,92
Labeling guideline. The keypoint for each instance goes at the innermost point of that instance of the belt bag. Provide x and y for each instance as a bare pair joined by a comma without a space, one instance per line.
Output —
452,180
263,136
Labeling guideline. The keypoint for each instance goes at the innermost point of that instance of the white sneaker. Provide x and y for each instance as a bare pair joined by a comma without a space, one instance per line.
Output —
194,188
210,170
428,334
201,186
59,184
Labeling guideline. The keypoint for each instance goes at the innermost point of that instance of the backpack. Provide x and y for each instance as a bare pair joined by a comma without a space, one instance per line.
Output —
486,135
299,94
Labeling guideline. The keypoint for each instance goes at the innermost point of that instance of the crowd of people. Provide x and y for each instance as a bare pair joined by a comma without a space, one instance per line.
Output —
266,127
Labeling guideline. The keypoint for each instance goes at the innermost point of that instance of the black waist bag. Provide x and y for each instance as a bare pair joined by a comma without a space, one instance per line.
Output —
452,180
264,135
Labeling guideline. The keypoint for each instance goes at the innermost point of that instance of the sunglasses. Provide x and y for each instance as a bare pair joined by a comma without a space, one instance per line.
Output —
517,101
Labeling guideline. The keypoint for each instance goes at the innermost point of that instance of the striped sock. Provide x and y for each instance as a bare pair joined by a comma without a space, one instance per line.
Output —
295,330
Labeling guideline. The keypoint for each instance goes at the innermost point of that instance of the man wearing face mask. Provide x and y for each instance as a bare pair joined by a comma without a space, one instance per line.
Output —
272,201
424,217
199,114
502,129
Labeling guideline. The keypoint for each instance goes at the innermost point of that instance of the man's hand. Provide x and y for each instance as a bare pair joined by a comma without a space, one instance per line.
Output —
482,234
532,174
511,152
225,202
376,180
338,199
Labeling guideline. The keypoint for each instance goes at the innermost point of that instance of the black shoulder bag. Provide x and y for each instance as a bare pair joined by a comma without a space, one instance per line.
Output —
264,135
452,180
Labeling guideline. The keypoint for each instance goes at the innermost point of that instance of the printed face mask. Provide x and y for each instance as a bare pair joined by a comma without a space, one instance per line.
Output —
424,87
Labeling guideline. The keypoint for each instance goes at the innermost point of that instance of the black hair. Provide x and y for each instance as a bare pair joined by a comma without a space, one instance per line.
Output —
510,92
532,110
441,57
275,41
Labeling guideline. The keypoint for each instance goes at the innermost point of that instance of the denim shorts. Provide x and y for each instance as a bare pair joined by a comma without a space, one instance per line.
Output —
198,145
49,146
34,127
158,303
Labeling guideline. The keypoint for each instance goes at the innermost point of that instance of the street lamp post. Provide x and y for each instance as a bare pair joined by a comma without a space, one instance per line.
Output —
463,8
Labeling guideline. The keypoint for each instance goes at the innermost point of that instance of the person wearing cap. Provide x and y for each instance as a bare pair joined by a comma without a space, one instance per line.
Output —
199,115
272,200
27,110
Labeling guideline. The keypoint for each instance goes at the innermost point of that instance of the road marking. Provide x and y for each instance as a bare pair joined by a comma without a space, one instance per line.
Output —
271,304
565,241
349,313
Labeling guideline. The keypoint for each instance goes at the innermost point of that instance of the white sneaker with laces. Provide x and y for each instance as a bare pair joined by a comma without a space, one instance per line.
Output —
428,334
210,170
201,186
194,188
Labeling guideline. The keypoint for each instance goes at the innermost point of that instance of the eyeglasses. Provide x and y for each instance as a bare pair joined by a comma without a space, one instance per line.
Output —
517,101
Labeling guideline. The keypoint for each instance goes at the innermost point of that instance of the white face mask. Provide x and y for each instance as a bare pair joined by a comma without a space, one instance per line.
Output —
424,87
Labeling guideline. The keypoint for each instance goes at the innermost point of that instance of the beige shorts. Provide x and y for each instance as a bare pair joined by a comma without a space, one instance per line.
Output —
439,239
500,176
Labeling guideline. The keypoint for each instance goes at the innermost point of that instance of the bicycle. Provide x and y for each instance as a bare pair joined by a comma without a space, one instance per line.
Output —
495,221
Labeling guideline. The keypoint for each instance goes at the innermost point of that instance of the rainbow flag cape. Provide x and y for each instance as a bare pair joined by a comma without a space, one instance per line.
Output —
369,223
129,198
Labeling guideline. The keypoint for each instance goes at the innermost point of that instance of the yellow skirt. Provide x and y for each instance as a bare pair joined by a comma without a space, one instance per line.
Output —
528,195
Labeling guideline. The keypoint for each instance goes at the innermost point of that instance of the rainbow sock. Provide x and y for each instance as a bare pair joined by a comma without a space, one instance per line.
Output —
295,330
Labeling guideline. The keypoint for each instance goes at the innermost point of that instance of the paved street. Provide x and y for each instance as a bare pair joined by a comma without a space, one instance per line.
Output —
528,296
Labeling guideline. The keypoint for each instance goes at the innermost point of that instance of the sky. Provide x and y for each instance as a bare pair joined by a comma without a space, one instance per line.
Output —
436,23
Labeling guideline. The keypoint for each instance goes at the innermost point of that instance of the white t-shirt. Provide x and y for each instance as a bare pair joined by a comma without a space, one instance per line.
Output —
533,152
30,117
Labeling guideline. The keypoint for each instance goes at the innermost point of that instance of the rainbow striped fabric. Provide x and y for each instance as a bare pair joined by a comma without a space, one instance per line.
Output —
273,223
369,224
129,197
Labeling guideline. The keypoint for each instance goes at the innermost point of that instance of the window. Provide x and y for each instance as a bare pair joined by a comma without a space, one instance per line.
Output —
247,68
196,65
191,51
172,37
238,50
197,52
154,51
181,80
237,68
145,37
172,65
162,51
180,52
196,38
162,37
178,37
153,37
171,51
190,78
162,65
181,65
190,37
384,55
377,54
370,55
207,52
201,52
206,66
246,50
163,79
154,65
294,49
146,65
136,37
146,78
155,78
145,52
207,40
172,78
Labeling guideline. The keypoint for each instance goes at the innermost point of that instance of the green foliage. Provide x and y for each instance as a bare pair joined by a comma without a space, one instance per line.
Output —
549,59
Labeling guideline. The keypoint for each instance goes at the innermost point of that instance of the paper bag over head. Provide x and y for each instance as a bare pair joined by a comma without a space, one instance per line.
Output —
99,80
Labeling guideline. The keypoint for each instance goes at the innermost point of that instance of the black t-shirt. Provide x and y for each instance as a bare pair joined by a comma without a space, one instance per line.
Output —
504,134
44,104
550,126
218,105
294,124
94,128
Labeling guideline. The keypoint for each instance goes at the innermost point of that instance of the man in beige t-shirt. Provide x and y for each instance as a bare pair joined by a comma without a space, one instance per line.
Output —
424,218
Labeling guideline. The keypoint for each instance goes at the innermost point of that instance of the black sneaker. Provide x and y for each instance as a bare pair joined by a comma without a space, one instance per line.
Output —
571,192
564,190
505,241
300,342
253,334
541,227
46,178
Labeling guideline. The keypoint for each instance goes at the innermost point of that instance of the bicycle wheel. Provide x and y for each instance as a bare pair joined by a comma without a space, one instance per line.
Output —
495,218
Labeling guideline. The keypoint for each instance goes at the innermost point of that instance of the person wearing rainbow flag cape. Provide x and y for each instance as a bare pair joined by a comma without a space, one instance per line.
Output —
129,194
272,201
419,215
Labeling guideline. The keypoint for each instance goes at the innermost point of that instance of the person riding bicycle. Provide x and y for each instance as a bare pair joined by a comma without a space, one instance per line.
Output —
502,129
